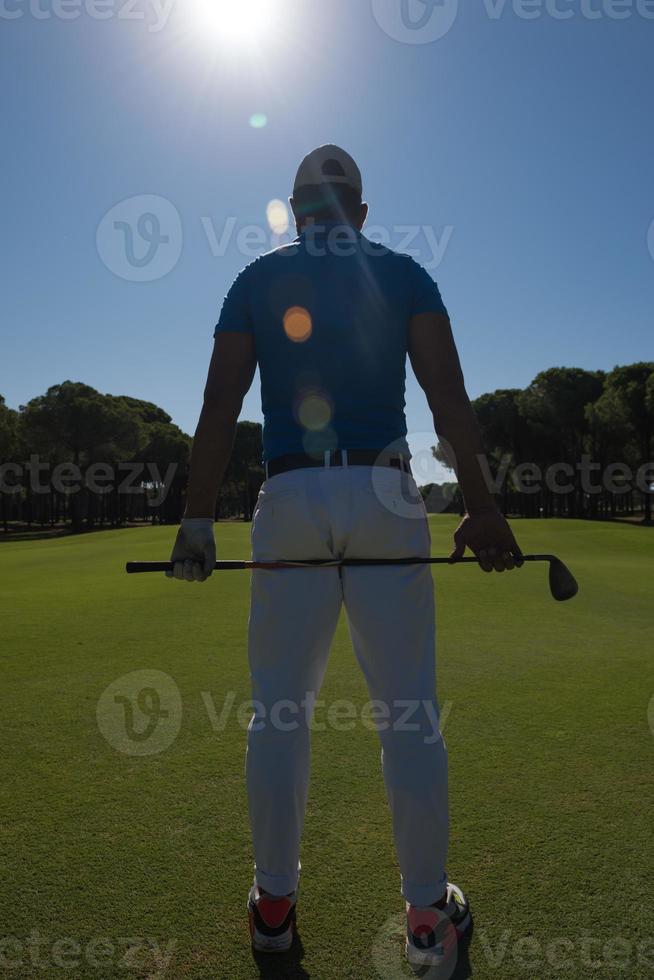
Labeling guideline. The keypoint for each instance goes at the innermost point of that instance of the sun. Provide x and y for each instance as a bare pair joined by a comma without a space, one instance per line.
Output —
234,22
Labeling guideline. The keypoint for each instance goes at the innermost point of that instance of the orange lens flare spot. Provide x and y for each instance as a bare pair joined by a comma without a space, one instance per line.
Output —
297,324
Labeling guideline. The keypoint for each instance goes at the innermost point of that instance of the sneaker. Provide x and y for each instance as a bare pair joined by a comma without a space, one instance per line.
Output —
272,920
433,932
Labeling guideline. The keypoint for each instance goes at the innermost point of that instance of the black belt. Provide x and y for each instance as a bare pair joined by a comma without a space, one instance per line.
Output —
338,457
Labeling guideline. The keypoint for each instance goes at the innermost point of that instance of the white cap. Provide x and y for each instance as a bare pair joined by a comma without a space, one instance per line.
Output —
328,164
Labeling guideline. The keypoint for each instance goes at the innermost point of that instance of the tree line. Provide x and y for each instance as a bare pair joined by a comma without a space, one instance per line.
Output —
79,457
574,443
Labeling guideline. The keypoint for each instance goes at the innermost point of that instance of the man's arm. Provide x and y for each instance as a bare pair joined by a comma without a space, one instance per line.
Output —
230,375
436,364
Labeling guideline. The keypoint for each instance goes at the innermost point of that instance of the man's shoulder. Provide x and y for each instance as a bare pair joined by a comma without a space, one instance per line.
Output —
268,262
398,263
288,250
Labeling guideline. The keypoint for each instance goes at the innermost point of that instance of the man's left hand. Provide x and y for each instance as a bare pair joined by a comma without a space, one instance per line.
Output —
194,554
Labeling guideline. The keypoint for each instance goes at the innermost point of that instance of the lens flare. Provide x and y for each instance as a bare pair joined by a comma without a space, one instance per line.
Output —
314,412
258,120
316,444
297,324
277,215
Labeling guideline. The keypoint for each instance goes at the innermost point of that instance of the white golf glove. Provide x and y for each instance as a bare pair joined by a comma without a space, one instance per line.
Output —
194,554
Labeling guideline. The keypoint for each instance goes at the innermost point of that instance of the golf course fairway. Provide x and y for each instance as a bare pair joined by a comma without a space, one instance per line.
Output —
132,857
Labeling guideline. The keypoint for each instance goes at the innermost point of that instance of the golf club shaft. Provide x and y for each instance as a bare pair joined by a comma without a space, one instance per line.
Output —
135,567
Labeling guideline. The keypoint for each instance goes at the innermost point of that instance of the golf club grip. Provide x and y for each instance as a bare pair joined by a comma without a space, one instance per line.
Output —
140,567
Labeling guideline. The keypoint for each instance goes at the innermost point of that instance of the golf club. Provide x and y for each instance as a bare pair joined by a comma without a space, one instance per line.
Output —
563,584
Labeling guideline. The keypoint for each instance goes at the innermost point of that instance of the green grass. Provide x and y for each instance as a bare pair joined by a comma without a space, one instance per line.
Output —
550,750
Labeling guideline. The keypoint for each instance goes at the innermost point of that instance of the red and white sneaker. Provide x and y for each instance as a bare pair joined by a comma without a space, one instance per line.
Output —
272,920
433,932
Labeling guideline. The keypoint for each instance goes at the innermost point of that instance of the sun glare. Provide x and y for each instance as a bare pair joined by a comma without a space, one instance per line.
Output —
234,22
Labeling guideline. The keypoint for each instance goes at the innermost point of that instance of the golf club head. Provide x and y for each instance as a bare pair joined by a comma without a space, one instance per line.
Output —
563,584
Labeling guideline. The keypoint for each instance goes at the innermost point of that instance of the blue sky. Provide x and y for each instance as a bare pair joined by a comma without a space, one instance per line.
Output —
524,145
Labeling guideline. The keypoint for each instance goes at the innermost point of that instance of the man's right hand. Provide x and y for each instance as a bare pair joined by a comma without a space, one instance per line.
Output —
194,554
490,539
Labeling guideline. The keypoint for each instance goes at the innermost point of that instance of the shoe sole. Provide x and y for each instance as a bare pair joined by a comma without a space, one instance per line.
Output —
426,957
417,957
270,944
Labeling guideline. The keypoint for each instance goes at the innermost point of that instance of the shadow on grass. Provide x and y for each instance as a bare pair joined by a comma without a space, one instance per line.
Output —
40,535
463,968
37,532
283,966
48,533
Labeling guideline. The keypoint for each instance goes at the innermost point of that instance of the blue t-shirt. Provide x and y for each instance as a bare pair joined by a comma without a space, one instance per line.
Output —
330,314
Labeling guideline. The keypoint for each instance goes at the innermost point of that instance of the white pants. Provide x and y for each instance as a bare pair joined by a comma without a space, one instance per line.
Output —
355,512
